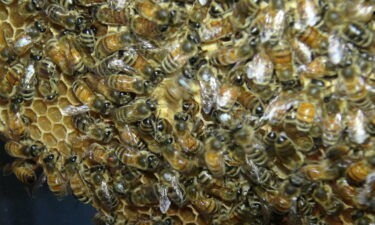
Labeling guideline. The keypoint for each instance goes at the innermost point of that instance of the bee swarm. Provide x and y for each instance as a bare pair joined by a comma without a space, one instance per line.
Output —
194,112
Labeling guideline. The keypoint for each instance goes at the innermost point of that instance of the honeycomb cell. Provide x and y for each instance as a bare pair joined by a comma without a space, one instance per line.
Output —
35,132
54,114
30,114
186,214
15,18
3,12
59,131
68,123
44,124
39,107
62,88
49,140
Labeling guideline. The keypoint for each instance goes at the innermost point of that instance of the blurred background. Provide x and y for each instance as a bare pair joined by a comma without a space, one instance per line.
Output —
17,207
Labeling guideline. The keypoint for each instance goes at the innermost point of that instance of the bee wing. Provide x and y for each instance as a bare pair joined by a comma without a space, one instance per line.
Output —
75,110
209,91
164,202
260,68
337,48
356,127
177,189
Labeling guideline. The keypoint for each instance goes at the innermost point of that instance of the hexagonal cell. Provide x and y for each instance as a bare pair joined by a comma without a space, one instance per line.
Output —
68,123
39,107
31,115
49,140
59,131
15,18
62,88
3,12
44,123
186,214
54,114
64,148
34,132
7,29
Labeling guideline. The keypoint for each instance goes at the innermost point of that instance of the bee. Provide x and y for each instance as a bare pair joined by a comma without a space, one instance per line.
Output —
99,86
226,97
153,12
308,13
305,116
145,195
188,143
112,42
259,175
355,88
323,196
206,205
209,84
25,40
103,191
28,82
102,219
87,38
282,59
27,149
87,97
102,155
178,57
243,11
46,69
175,156
140,109
11,79
215,29
148,29
285,197
125,83
357,172
318,172
332,125
314,39
345,191
55,180
227,56
57,14
77,184
260,69
370,125
95,129
360,10
142,160
23,170
286,152
191,107
176,190
130,136
321,66
109,16
48,89
16,122
358,34
161,129
214,156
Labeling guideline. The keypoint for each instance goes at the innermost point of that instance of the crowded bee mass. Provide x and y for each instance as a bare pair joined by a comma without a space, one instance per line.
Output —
193,112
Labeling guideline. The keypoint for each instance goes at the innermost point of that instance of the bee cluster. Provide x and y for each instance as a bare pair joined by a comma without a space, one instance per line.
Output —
194,111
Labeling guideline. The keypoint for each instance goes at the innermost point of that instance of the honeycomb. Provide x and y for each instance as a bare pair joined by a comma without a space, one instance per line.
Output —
194,112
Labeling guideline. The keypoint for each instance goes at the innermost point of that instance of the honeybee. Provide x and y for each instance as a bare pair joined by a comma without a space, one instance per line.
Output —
215,29
313,38
285,198
113,42
355,88
360,10
103,191
188,143
87,97
55,180
308,13
323,196
130,136
176,190
109,16
332,125
99,85
57,14
148,29
46,69
214,156
125,83
10,80
87,38
145,195
282,59
191,107
23,170
209,84
95,129
345,191
358,34
142,160
117,62
305,116
153,12
26,87
318,172
278,109
227,56
48,89
16,122
260,69
174,155
77,184
138,110
162,129
358,171
286,152
25,40
259,175
179,56
26,149
243,11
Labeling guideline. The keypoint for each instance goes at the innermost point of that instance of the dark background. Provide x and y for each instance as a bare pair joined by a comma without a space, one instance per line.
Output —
18,208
